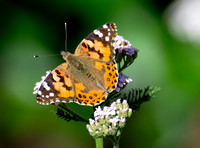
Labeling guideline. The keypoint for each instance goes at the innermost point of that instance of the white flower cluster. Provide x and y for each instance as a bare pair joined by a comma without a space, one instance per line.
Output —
38,84
110,120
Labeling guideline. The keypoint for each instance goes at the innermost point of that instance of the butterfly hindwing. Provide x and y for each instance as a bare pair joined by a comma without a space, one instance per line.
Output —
56,87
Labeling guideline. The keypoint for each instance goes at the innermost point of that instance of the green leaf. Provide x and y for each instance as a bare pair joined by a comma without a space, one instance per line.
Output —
135,97
64,112
66,115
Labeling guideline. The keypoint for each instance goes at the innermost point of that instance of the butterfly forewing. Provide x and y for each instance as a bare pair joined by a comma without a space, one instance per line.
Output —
99,43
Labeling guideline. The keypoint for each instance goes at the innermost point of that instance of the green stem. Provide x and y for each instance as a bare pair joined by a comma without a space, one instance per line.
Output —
115,141
99,142
116,144
73,113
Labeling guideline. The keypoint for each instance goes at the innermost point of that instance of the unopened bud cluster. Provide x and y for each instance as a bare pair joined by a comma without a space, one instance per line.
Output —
110,120
122,81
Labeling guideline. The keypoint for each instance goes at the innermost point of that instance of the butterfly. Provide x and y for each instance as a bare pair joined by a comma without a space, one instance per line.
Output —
87,76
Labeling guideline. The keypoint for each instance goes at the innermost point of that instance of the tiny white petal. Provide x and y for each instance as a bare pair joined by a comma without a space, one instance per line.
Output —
118,101
129,80
90,130
113,112
113,104
110,128
91,121
122,119
125,109
118,42
124,102
96,118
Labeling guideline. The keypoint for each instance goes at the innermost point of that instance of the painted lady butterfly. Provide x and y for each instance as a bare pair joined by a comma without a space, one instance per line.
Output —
87,76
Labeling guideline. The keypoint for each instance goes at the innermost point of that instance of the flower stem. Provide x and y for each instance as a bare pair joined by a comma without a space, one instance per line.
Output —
116,144
99,142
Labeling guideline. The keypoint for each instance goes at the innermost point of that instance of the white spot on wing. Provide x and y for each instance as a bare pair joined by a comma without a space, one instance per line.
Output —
107,38
95,31
105,26
100,35
51,101
39,92
57,100
51,94
46,86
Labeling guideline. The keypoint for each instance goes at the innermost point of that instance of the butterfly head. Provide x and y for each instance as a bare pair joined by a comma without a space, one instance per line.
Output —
65,54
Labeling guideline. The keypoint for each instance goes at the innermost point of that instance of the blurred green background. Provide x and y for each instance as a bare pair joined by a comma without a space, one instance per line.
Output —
32,27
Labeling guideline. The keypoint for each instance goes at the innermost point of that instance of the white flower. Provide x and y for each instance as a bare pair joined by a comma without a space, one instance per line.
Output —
124,102
122,119
113,106
90,130
129,112
124,110
98,111
97,118
109,120
97,132
129,80
91,121
114,120
112,112
110,128
118,101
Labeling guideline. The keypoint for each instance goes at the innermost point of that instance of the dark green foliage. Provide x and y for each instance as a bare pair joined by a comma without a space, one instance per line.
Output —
135,97
63,114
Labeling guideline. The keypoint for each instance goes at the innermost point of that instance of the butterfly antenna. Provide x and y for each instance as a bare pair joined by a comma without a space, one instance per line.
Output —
65,36
38,56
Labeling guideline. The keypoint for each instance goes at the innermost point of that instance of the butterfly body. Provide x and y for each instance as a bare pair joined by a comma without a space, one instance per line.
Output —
88,75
